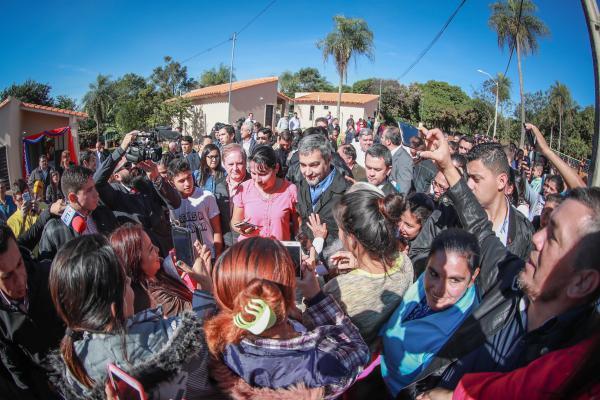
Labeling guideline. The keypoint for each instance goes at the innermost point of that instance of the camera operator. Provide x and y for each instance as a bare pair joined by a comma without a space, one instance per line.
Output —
138,197
27,211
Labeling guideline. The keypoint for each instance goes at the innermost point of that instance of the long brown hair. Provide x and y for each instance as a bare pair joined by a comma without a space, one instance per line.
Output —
86,281
126,240
253,268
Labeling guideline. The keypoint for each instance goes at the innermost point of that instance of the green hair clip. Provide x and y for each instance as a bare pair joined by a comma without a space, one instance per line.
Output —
264,317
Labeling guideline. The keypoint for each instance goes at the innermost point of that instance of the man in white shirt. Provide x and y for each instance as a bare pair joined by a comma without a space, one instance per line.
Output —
294,122
365,141
198,210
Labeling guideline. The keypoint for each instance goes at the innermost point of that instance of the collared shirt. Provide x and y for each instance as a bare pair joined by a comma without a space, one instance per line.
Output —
317,191
22,305
502,232
360,154
395,150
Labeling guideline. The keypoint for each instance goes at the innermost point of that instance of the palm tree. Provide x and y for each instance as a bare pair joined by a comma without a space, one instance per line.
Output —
561,101
98,100
504,85
516,26
351,37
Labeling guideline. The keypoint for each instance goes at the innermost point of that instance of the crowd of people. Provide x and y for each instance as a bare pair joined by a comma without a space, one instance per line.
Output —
437,267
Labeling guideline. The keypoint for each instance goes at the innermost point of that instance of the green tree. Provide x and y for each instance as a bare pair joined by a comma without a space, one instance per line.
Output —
443,105
517,26
305,80
172,79
215,76
29,91
561,101
99,101
351,37
65,102
136,102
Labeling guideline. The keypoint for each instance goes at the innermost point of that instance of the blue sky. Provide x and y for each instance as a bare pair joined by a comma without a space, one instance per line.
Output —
67,43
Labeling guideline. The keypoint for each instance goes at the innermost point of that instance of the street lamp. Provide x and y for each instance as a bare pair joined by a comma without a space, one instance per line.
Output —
497,92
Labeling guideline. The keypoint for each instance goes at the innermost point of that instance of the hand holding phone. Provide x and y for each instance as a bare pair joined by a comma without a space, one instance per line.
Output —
124,385
246,228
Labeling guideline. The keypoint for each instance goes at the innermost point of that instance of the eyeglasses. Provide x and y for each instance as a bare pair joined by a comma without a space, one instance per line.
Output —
213,157
435,184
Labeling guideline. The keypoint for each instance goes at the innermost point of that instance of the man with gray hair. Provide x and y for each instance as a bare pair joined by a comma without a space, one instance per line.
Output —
402,165
365,140
248,142
319,190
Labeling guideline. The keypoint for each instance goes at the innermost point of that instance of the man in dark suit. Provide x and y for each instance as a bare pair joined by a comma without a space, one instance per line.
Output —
101,153
321,185
402,163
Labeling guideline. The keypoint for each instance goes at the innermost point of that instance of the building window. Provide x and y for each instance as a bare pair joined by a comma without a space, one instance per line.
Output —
311,116
325,107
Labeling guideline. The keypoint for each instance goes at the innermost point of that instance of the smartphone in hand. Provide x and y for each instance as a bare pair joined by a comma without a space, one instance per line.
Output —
126,386
530,136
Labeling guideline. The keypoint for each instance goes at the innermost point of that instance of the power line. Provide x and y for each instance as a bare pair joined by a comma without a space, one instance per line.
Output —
243,28
250,22
512,48
435,39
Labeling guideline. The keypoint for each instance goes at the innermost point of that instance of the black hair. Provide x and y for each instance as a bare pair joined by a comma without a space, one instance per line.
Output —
166,159
321,119
393,134
492,156
20,186
380,151
453,146
86,280
205,169
461,242
264,156
558,181
5,235
268,132
86,156
188,139
349,150
229,129
177,166
74,179
468,139
286,135
461,160
420,205
372,220
315,130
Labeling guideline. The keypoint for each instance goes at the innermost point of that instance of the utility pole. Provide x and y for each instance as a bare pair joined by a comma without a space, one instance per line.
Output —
230,79
592,18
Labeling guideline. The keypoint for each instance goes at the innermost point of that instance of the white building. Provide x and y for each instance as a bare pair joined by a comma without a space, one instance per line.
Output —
257,96
311,106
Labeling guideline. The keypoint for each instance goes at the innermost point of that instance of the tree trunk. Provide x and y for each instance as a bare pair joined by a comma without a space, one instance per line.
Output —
97,128
339,100
522,140
551,134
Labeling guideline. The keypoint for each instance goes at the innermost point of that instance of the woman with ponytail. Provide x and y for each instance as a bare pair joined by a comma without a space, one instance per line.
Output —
93,296
380,272
264,347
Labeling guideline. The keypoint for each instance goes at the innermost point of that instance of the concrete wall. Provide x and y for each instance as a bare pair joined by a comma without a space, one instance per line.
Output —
10,126
214,110
253,100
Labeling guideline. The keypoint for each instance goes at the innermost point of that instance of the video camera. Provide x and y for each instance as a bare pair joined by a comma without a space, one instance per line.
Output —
146,145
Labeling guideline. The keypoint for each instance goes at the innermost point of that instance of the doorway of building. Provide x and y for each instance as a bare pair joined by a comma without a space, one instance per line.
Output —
269,114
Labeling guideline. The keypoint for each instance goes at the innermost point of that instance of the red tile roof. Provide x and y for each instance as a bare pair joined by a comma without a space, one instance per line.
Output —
224,88
283,96
54,110
331,98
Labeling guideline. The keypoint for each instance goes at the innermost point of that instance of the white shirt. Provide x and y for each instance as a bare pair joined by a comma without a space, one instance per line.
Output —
360,154
502,230
294,123
197,211
395,150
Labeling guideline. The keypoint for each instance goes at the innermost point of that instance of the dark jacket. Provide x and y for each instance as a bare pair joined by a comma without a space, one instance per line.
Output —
402,170
225,204
27,338
500,296
423,173
282,160
324,206
53,193
193,159
389,188
56,233
148,206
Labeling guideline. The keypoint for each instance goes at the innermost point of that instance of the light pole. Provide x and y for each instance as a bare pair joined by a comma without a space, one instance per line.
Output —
497,92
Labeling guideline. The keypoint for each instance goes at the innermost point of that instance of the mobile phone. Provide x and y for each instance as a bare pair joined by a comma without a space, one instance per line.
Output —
126,386
182,240
26,197
243,225
295,250
530,136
